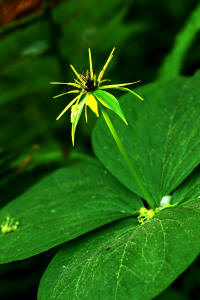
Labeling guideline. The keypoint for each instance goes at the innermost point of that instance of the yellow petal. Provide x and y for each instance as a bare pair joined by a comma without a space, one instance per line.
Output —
92,103
105,66
90,61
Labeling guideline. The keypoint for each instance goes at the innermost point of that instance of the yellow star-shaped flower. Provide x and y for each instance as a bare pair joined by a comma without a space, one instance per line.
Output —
91,93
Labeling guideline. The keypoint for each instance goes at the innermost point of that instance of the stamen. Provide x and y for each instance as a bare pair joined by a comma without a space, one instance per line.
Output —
83,77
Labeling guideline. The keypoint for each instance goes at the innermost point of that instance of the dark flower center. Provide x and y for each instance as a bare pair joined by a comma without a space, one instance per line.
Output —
90,85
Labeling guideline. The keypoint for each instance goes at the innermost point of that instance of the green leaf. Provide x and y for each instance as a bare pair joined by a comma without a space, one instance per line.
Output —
108,100
125,260
62,206
162,138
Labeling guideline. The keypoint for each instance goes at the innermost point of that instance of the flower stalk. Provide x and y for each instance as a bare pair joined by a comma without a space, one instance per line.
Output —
129,163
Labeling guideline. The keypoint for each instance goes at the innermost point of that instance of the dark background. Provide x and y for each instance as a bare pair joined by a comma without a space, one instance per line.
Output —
38,41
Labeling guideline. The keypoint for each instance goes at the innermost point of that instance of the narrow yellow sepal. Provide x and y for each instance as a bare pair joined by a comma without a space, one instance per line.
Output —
120,84
69,92
104,80
67,83
53,82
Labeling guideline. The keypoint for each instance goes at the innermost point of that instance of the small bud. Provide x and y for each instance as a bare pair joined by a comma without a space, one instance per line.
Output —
165,201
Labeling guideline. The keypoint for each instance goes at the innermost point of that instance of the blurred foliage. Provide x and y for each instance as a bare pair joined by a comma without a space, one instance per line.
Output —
183,41
38,48
20,279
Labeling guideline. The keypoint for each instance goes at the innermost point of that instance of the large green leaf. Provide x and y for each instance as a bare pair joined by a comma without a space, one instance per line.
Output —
125,260
162,138
62,206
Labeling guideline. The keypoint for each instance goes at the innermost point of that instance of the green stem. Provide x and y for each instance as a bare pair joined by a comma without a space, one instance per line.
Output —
127,159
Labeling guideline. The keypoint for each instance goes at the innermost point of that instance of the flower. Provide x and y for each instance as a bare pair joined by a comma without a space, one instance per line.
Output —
91,93
145,214
9,225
